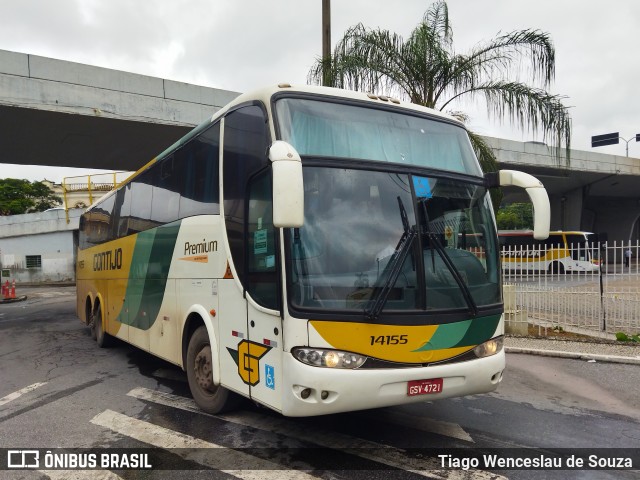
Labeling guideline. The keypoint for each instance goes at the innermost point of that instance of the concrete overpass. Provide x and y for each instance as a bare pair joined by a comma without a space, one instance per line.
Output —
598,192
60,113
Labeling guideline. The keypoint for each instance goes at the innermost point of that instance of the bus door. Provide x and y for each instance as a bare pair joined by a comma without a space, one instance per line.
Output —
263,356
264,322
248,205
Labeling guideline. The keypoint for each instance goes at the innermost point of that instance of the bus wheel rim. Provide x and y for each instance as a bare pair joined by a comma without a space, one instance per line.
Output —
202,369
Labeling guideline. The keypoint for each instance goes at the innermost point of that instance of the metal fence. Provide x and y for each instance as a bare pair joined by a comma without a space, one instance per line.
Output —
595,290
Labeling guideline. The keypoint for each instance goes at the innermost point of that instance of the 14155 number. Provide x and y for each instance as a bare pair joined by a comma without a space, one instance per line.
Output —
389,339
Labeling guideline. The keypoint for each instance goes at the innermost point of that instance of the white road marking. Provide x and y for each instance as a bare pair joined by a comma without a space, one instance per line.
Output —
391,456
252,468
19,393
80,475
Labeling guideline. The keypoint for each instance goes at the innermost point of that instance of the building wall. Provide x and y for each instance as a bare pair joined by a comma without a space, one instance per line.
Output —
56,252
45,234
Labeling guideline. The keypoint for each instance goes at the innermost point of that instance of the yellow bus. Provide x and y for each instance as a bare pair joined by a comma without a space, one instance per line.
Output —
298,249
561,252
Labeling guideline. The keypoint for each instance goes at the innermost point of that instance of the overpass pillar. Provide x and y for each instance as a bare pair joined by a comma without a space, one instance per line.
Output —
566,211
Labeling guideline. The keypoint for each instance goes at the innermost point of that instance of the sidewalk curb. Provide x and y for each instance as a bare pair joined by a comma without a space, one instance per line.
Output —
13,300
575,355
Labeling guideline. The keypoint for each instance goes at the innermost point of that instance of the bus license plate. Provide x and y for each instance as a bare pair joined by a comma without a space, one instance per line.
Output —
424,387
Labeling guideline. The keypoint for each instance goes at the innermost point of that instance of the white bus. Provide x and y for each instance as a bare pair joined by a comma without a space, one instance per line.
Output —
300,248
561,252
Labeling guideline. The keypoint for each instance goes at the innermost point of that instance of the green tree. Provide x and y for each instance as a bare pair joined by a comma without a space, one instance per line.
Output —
426,70
22,196
515,216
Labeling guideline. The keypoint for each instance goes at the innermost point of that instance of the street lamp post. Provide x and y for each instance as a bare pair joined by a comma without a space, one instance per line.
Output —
611,139
326,42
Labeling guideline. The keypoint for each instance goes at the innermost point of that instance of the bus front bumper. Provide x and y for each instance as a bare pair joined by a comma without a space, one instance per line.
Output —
318,391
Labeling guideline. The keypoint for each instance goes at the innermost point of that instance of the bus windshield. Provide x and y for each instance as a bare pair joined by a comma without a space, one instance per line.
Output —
350,131
358,222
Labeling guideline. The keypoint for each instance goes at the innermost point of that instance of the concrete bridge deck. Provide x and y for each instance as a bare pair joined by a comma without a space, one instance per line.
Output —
59,113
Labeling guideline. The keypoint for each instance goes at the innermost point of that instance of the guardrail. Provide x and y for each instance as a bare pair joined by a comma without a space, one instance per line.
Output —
90,185
600,298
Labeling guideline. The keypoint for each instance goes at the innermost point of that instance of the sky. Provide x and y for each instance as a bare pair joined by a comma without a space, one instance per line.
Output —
240,45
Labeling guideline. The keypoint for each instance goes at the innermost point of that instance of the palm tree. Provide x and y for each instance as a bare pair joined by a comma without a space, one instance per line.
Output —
425,70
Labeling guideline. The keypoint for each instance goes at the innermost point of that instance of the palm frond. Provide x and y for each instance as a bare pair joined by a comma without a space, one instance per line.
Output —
436,19
426,70
502,58
531,109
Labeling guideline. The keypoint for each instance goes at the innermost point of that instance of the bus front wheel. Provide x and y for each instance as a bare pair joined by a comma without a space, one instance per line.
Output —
210,397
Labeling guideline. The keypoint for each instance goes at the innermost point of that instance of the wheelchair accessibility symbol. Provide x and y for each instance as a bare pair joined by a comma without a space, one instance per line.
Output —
269,374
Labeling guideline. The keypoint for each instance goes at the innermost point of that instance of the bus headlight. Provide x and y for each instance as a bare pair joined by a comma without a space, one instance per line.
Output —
490,347
318,357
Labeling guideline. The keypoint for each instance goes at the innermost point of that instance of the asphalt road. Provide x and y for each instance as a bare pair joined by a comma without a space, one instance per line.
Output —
58,390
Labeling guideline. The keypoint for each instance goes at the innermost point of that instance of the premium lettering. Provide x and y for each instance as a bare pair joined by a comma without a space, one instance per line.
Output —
202,247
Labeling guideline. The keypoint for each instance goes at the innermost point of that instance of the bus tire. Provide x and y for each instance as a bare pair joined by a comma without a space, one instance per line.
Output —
103,339
209,397
556,267
92,327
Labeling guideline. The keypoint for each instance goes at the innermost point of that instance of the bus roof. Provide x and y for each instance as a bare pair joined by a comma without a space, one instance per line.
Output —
266,93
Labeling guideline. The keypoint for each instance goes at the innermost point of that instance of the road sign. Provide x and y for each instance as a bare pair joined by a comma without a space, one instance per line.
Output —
606,139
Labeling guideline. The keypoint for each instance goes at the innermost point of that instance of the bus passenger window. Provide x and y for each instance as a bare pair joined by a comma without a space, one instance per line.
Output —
101,221
166,191
199,162
123,207
141,199
262,282
246,139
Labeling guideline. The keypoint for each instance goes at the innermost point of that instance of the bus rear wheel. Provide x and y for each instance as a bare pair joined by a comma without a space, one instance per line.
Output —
103,339
210,397
556,267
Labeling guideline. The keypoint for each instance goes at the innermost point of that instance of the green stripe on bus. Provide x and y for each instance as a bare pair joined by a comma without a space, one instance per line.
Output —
150,265
481,330
462,334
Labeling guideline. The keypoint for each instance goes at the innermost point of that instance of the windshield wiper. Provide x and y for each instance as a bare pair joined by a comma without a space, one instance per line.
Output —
435,241
393,268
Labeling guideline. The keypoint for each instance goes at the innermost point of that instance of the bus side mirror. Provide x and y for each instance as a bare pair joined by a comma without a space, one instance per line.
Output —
288,186
536,191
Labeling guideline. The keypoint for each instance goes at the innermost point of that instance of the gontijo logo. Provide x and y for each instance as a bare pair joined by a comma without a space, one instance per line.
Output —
109,260
247,357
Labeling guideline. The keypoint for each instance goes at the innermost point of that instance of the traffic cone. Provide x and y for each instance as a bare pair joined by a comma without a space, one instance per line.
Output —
13,290
5,289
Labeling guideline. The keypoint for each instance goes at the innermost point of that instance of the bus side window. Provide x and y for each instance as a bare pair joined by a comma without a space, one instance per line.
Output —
262,280
199,162
123,209
553,241
246,139
166,191
101,221
141,200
